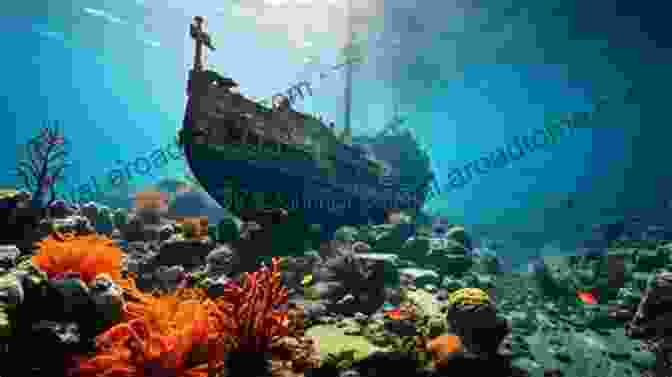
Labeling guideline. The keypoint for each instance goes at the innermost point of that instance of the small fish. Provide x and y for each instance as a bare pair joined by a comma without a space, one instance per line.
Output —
307,280
586,297
394,314
668,204
281,307
388,306
570,203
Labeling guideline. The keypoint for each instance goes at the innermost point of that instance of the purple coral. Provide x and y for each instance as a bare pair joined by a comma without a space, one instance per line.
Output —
44,164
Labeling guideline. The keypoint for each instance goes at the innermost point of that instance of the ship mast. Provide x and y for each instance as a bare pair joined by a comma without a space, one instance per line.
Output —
347,132
199,34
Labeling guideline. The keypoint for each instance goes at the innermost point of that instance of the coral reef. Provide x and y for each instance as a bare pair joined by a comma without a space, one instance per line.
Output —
159,301
43,164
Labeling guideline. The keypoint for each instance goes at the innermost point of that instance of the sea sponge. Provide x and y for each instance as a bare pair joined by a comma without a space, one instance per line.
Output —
468,296
88,255
194,227
151,200
444,348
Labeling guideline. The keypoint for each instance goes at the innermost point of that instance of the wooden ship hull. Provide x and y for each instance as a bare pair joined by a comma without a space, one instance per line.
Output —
249,157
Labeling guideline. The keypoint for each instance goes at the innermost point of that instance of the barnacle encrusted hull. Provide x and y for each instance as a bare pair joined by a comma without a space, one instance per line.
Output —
248,156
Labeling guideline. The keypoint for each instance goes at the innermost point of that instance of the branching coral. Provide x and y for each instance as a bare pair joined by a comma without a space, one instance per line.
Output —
89,256
185,334
256,313
43,164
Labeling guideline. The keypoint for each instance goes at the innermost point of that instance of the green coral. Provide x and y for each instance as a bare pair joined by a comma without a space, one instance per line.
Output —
332,340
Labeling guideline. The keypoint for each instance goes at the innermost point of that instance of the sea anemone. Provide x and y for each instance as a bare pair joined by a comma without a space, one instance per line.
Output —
88,255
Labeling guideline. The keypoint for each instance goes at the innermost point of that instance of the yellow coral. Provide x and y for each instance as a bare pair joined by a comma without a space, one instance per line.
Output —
468,296
88,255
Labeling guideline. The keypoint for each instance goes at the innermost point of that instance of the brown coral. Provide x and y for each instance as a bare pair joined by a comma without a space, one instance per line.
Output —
88,255
199,224
151,200
295,353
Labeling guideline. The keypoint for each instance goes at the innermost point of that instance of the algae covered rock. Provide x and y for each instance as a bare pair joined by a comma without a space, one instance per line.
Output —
457,233
332,340
419,277
389,238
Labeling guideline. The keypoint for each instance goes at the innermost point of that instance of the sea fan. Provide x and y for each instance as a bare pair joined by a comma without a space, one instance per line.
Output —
88,255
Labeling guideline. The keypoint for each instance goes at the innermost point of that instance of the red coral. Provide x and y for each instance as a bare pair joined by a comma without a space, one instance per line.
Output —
257,312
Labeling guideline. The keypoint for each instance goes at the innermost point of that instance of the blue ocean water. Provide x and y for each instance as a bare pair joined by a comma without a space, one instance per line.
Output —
470,78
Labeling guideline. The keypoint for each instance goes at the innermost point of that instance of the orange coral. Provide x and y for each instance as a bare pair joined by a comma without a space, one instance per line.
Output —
185,334
144,347
257,312
89,255
443,348
166,335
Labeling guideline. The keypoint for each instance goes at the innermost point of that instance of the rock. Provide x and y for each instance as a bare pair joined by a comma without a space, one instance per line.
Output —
60,209
643,359
346,234
90,211
419,277
104,223
216,286
197,203
360,247
8,256
187,253
389,238
170,277
120,218
526,364
221,261
647,260
458,234
228,230
451,283
654,305
73,294
79,225
387,262
52,341
133,229
108,299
